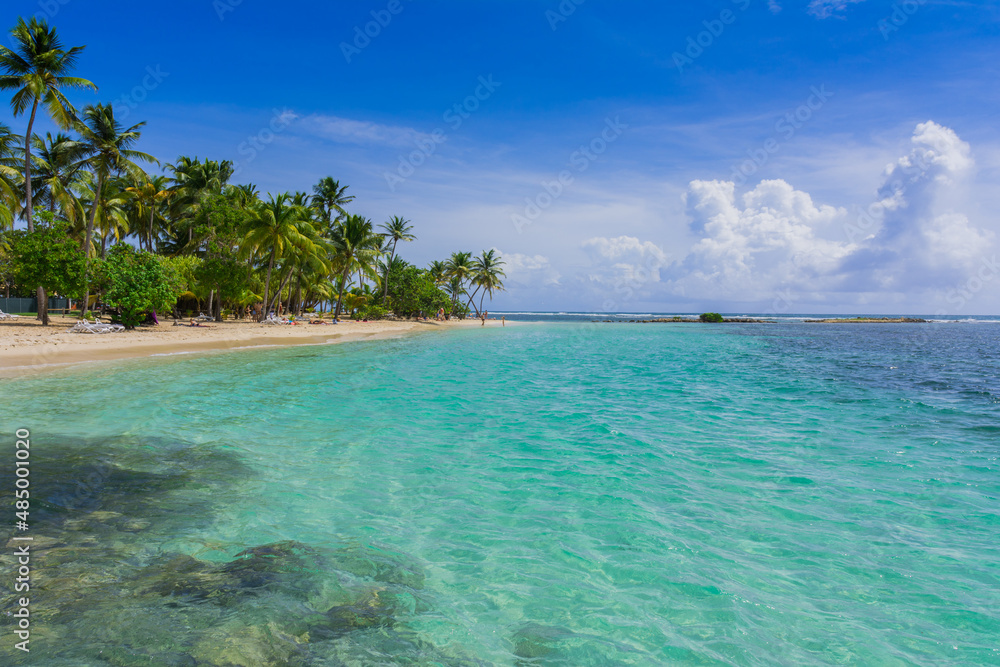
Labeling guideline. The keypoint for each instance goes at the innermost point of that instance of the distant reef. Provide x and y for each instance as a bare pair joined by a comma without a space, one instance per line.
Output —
869,320
689,320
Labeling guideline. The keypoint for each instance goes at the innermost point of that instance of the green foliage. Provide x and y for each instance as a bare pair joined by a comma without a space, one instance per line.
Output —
186,268
714,318
372,312
414,291
47,257
137,282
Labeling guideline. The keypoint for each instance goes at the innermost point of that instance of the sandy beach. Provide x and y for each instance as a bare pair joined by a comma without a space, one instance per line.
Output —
27,347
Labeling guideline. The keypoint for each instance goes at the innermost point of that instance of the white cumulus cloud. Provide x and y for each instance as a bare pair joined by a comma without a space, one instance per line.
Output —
912,240
624,259
529,270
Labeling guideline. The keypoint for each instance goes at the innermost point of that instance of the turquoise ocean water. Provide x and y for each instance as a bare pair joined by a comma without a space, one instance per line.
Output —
541,494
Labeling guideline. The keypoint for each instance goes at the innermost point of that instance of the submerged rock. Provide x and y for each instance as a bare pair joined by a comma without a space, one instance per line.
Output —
538,641
288,567
251,646
379,565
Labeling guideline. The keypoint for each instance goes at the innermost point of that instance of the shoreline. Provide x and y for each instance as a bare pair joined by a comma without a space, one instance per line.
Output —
26,347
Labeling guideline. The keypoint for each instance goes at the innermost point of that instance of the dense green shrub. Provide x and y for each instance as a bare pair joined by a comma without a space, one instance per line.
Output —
136,282
711,317
371,312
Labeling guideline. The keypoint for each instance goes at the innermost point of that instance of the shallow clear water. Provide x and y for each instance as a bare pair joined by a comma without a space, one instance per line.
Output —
558,494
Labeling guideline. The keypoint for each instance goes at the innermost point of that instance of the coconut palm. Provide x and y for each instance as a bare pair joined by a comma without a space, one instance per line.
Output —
9,175
36,70
455,289
396,230
194,181
487,275
59,162
438,271
112,218
109,146
459,265
149,199
355,243
275,229
330,197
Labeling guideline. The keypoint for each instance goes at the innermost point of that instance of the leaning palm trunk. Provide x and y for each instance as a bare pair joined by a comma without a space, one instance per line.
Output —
86,246
29,212
343,286
472,301
267,288
277,295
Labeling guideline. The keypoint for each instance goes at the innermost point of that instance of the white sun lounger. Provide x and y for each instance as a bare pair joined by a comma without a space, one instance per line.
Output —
95,328
8,316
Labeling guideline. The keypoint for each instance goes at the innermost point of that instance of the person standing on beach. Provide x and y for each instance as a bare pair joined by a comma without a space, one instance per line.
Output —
503,320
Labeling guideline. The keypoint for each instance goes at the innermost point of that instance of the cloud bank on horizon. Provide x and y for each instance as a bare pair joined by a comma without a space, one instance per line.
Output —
776,247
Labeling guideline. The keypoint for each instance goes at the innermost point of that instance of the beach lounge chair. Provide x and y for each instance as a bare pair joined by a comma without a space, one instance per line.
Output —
95,328
8,316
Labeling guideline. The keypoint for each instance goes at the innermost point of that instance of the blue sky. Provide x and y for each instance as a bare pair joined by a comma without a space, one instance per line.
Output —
695,189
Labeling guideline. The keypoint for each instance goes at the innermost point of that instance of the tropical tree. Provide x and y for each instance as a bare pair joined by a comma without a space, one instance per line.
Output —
458,269
275,229
356,247
110,152
113,203
487,275
150,197
59,162
396,230
36,71
438,271
330,197
8,176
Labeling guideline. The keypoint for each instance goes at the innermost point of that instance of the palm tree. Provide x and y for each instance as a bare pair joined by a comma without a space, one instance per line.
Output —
276,228
356,246
195,181
487,275
112,208
109,146
9,175
455,290
394,231
60,162
329,197
149,197
36,71
438,271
